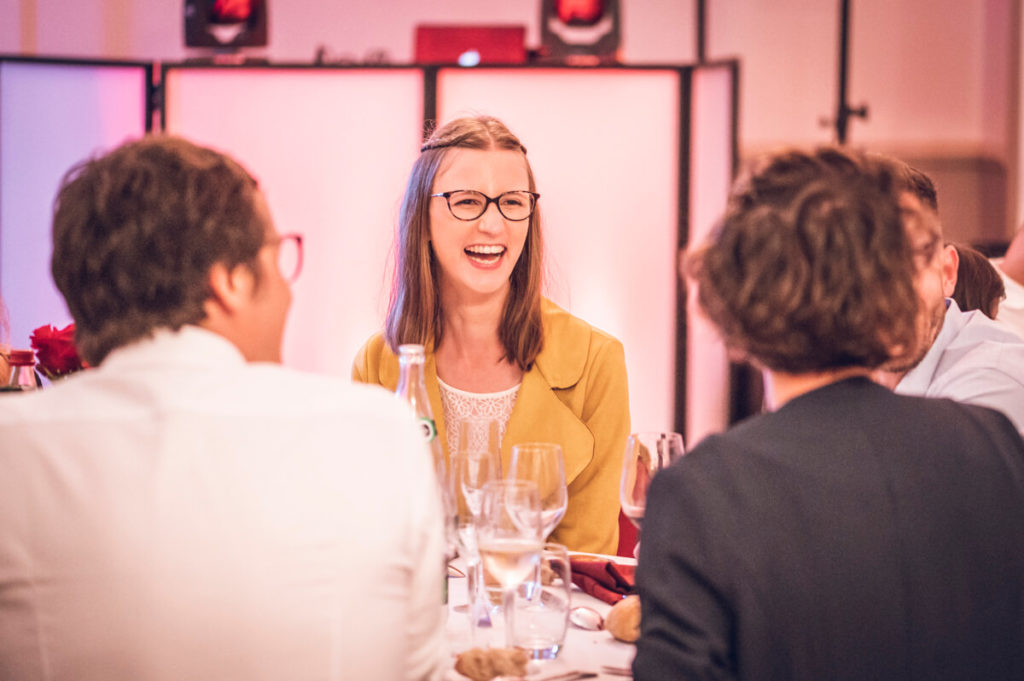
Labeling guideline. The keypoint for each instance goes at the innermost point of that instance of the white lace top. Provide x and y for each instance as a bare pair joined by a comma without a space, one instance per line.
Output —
459,404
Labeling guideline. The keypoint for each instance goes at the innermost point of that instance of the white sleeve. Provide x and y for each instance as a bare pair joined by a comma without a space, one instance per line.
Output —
991,388
426,622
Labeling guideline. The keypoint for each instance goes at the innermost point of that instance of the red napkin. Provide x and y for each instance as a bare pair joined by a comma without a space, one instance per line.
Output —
603,579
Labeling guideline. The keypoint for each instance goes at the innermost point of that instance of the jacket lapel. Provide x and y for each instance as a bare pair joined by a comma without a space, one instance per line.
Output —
539,416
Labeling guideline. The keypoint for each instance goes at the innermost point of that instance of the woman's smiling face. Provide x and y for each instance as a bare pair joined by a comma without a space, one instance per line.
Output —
476,257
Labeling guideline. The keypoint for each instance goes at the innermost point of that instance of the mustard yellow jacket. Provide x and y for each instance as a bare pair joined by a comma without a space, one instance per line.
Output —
575,394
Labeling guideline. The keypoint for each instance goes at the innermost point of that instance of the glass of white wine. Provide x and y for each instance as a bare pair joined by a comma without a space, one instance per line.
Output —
509,537
646,454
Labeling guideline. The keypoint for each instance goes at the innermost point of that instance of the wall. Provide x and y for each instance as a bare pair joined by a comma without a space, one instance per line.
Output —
931,71
653,30
939,76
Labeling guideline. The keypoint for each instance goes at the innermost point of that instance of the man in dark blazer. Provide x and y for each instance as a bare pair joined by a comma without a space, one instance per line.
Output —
849,533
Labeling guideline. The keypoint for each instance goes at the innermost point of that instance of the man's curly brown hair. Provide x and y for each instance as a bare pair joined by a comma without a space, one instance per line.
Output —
810,268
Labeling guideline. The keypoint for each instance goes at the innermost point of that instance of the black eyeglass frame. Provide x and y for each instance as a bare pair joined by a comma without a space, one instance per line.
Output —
534,196
300,257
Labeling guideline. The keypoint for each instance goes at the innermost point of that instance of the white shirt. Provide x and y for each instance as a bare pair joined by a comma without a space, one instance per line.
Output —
1011,308
180,514
974,359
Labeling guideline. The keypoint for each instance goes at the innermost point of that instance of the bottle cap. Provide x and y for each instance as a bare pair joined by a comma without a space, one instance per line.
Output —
22,358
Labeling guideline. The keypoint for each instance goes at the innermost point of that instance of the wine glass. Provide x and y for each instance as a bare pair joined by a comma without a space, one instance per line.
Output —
646,454
475,463
543,463
509,535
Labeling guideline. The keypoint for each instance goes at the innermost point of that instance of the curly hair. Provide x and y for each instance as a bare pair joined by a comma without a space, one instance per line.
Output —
810,268
414,312
136,231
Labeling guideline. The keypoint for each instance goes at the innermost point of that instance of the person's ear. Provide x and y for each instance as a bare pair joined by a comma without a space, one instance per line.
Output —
230,287
950,264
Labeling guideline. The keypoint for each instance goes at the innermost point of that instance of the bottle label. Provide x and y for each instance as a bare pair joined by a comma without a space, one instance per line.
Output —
428,428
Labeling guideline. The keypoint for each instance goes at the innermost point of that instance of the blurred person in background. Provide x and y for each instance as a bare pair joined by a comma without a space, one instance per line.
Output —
978,283
468,287
964,356
1011,269
190,509
851,533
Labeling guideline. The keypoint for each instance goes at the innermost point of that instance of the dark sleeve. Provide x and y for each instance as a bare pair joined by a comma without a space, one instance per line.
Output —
685,620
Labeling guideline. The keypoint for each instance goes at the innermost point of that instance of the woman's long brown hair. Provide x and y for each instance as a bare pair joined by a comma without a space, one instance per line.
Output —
414,312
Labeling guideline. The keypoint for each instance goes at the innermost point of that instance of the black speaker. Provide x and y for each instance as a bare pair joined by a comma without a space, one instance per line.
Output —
580,31
225,23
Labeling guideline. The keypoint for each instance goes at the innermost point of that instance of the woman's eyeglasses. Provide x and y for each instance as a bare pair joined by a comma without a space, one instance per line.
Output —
466,204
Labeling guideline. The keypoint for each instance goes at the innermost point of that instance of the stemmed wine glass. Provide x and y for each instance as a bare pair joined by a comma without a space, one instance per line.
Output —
476,462
509,537
646,454
544,464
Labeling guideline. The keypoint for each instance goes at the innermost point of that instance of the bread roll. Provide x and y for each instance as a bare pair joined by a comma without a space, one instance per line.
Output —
623,620
483,664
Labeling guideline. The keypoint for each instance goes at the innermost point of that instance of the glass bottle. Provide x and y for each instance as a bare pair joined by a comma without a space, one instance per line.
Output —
23,371
412,388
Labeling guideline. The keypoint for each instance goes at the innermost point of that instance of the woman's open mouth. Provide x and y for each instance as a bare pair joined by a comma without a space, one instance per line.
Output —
485,255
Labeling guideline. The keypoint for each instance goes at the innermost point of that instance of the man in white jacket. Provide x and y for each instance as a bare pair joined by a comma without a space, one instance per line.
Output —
190,509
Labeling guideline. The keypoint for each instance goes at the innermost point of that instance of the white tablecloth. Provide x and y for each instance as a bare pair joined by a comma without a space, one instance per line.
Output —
583,651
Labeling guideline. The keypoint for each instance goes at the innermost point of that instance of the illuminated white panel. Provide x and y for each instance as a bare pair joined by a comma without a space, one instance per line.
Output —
604,146
707,377
331,149
53,116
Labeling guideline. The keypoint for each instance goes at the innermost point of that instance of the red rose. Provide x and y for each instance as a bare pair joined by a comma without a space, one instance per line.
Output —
55,350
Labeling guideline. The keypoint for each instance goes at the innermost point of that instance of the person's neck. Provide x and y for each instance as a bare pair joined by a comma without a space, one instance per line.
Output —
890,379
471,329
781,387
240,338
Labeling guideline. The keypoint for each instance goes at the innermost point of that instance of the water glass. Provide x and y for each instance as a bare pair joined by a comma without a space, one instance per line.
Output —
542,606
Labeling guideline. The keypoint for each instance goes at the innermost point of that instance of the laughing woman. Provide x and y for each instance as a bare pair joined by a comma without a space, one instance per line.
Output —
468,287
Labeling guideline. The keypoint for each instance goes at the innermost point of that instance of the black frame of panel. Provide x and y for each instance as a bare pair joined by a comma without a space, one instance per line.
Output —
149,96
